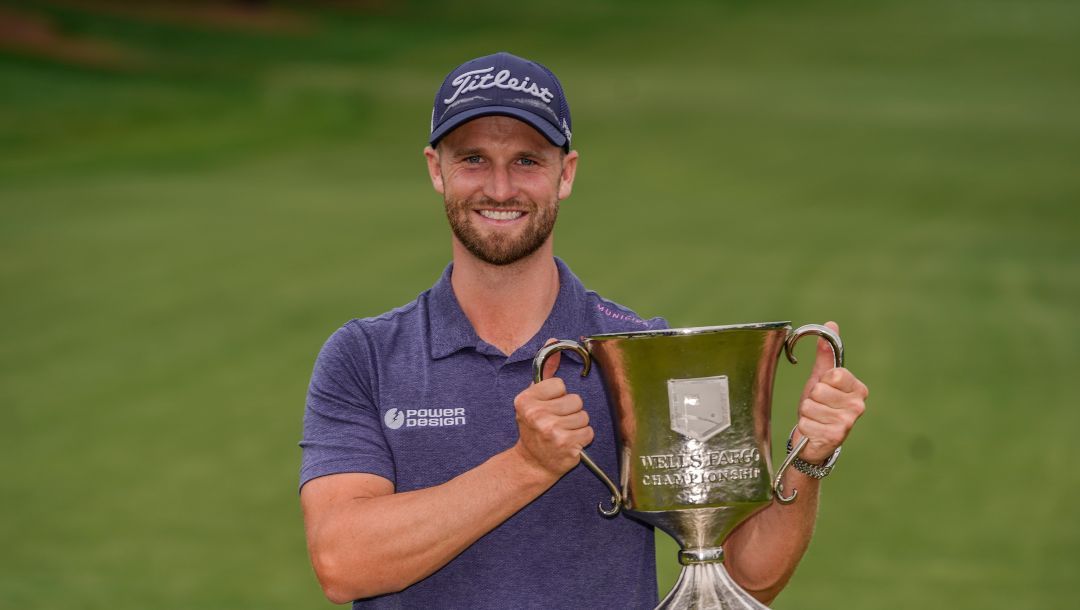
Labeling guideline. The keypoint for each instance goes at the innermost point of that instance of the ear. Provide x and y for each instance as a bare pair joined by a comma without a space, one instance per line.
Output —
566,178
433,168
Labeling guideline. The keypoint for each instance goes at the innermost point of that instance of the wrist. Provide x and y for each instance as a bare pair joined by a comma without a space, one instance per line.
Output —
809,463
528,469
813,452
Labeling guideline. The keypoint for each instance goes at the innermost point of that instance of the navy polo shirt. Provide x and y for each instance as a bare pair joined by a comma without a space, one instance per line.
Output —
416,397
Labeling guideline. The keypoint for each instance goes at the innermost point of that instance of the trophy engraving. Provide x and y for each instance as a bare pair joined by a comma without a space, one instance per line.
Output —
700,408
692,409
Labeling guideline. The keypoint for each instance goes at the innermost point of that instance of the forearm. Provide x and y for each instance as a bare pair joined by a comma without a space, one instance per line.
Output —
375,545
762,553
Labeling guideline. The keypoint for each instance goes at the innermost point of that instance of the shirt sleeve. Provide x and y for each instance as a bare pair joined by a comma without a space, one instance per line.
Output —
342,427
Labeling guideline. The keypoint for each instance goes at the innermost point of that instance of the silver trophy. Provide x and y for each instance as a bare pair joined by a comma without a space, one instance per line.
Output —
692,410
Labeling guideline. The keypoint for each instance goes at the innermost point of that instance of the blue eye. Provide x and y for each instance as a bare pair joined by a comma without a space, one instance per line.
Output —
472,159
526,161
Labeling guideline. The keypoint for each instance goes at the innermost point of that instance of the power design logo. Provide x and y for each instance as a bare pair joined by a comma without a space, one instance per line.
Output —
394,419
424,418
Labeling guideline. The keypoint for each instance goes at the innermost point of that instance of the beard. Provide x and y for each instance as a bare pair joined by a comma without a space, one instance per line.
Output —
499,249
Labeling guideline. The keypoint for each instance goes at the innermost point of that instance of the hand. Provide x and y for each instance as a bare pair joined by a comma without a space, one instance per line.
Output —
832,401
553,426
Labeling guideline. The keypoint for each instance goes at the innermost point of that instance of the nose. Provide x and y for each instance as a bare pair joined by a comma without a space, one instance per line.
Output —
500,185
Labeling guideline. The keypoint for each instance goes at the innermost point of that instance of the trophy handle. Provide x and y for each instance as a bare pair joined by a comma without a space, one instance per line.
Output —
538,375
838,361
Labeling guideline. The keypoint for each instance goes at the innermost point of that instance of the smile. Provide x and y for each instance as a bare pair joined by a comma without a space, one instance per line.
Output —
501,214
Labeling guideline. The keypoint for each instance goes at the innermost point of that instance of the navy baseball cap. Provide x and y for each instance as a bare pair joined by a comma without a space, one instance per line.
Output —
502,84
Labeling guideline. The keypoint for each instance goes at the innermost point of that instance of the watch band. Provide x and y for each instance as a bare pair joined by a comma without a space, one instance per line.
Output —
814,471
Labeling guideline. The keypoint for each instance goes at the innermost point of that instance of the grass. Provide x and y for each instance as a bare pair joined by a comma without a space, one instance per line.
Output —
177,240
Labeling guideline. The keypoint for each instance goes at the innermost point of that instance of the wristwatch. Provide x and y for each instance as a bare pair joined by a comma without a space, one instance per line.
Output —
814,471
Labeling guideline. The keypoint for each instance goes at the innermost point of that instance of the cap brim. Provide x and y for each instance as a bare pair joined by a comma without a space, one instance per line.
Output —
549,131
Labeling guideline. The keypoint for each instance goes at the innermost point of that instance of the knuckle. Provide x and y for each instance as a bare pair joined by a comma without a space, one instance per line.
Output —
546,428
858,407
847,422
855,415
528,410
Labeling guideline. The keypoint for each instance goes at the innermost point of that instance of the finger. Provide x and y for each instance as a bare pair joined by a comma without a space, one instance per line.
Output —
548,389
824,394
825,359
825,433
575,421
565,431
813,430
841,379
552,363
811,410
553,425
564,405
583,437
530,407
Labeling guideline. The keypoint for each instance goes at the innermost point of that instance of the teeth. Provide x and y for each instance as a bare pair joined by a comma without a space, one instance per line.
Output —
501,214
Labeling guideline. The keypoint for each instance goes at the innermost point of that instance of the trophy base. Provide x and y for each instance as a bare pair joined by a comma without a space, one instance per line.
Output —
706,585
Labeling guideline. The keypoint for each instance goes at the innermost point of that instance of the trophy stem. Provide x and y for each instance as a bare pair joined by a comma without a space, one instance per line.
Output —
704,584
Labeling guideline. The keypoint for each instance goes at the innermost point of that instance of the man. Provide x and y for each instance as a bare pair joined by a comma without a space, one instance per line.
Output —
434,474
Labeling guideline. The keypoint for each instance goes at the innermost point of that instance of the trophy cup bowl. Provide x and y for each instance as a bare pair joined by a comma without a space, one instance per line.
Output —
692,409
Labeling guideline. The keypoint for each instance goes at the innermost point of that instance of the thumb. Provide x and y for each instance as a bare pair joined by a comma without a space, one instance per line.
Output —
824,361
552,363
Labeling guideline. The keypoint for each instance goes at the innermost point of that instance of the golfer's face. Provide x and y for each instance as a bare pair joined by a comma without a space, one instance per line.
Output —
502,182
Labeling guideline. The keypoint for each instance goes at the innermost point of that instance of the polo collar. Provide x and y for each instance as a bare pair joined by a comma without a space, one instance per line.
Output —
449,328
451,331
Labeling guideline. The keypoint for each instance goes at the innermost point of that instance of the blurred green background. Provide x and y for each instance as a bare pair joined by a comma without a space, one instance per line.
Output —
194,196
